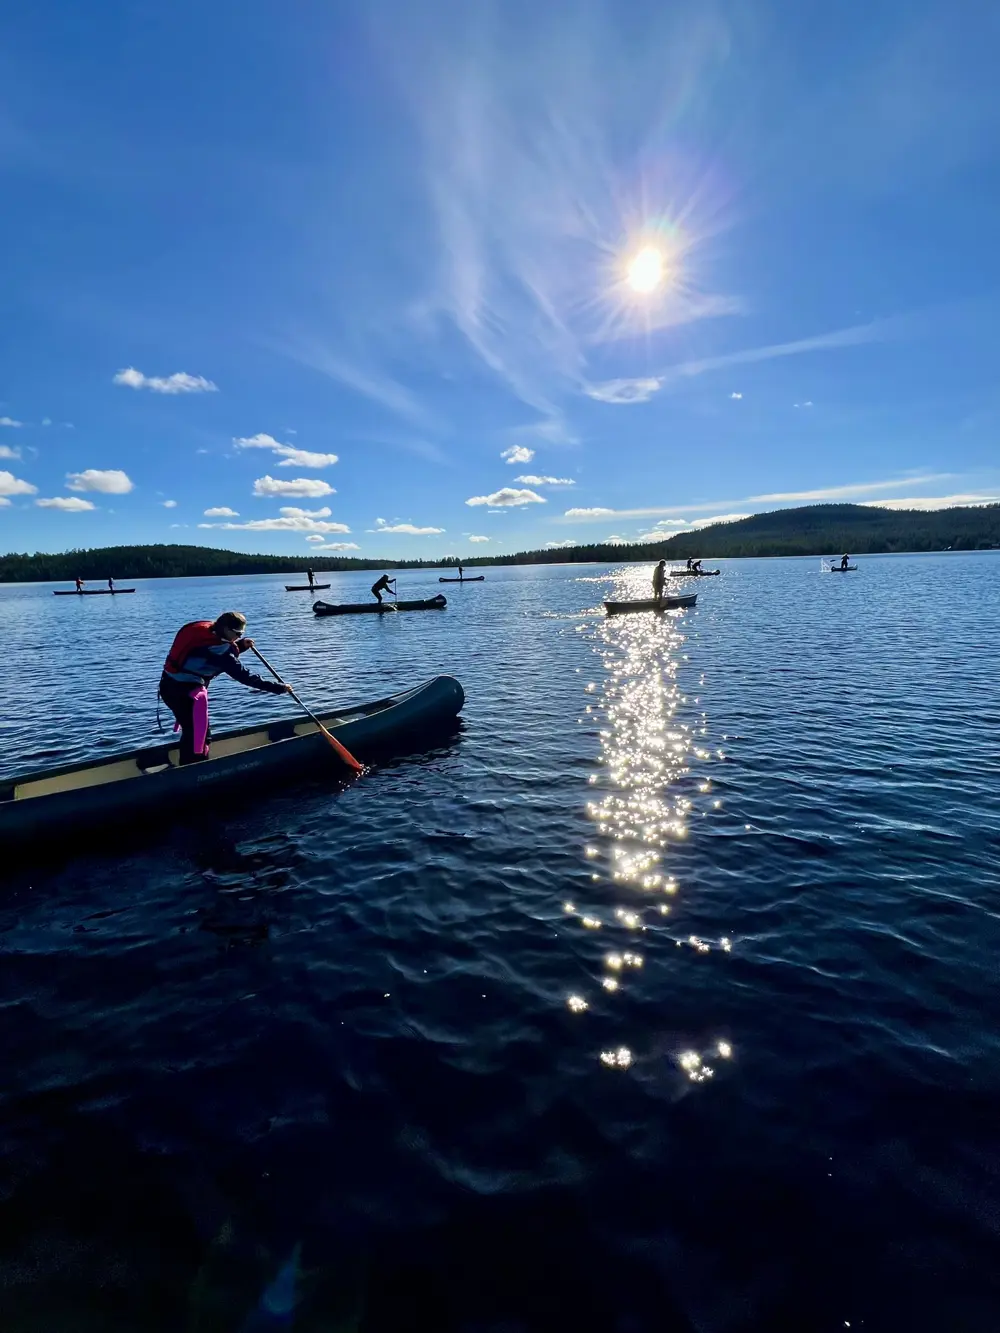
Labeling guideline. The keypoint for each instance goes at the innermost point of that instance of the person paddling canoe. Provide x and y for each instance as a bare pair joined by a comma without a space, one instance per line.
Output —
202,650
659,575
383,586
79,584
845,560
311,577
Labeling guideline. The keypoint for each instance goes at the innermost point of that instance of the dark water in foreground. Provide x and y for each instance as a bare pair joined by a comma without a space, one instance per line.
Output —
664,996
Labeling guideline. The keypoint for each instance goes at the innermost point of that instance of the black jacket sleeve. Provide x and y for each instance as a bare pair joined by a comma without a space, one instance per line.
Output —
232,666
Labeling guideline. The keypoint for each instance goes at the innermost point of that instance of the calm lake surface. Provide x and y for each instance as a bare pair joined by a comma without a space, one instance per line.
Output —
663,996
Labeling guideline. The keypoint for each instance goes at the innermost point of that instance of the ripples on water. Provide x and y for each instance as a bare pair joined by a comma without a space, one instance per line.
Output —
662,997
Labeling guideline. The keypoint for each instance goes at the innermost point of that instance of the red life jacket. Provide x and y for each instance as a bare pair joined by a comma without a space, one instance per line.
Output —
195,634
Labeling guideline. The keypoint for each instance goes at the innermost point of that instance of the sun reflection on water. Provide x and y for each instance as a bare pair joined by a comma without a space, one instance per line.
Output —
650,736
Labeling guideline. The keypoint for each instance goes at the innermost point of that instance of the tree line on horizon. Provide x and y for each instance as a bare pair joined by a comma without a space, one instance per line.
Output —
809,530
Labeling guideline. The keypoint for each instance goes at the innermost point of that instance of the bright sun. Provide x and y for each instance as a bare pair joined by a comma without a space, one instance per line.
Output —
646,270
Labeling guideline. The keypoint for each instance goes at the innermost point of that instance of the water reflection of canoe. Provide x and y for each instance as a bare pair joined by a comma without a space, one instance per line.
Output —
664,604
90,592
122,787
360,608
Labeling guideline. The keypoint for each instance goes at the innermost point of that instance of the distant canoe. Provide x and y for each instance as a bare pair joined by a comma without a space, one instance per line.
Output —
664,604
305,587
692,573
375,608
477,578
90,796
840,569
91,592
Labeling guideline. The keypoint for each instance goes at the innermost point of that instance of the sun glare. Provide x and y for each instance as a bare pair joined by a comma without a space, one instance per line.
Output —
645,270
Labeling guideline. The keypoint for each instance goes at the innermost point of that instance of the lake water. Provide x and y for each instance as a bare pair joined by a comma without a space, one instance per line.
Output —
663,996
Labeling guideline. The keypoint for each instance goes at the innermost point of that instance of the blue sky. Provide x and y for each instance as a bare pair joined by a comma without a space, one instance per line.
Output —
358,275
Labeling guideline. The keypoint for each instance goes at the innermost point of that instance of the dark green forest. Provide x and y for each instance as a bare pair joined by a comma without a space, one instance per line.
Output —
811,530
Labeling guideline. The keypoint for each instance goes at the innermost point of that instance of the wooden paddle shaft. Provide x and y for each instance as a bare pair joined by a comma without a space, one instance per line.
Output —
341,749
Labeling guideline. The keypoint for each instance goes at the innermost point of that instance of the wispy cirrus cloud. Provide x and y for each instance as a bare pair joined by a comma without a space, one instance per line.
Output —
640,390
508,497
856,492
9,421
179,382
367,380
473,537
931,502
336,546
529,213
531,480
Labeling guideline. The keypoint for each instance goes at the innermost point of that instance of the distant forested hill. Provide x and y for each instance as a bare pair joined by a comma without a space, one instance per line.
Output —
811,530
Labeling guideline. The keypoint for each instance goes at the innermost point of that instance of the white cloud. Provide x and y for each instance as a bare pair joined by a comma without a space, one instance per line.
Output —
307,487
314,537
473,538
11,485
737,396
7,452
71,504
337,546
409,528
507,497
304,458
518,453
638,390
807,403
179,382
546,481
288,453
110,482
934,502
596,511
9,421
222,511
570,541
46,421
169,504
292,520
258,441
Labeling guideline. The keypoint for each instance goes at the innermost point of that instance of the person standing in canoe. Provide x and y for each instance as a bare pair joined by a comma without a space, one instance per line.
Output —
111,585
461,576
79,584
383,586
659,574
845,560
202,650
311,577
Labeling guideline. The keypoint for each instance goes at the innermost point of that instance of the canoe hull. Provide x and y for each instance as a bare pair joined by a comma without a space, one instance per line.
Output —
305,587
91,592
839,569
477,579
291,746
437,603
693,573
665,604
